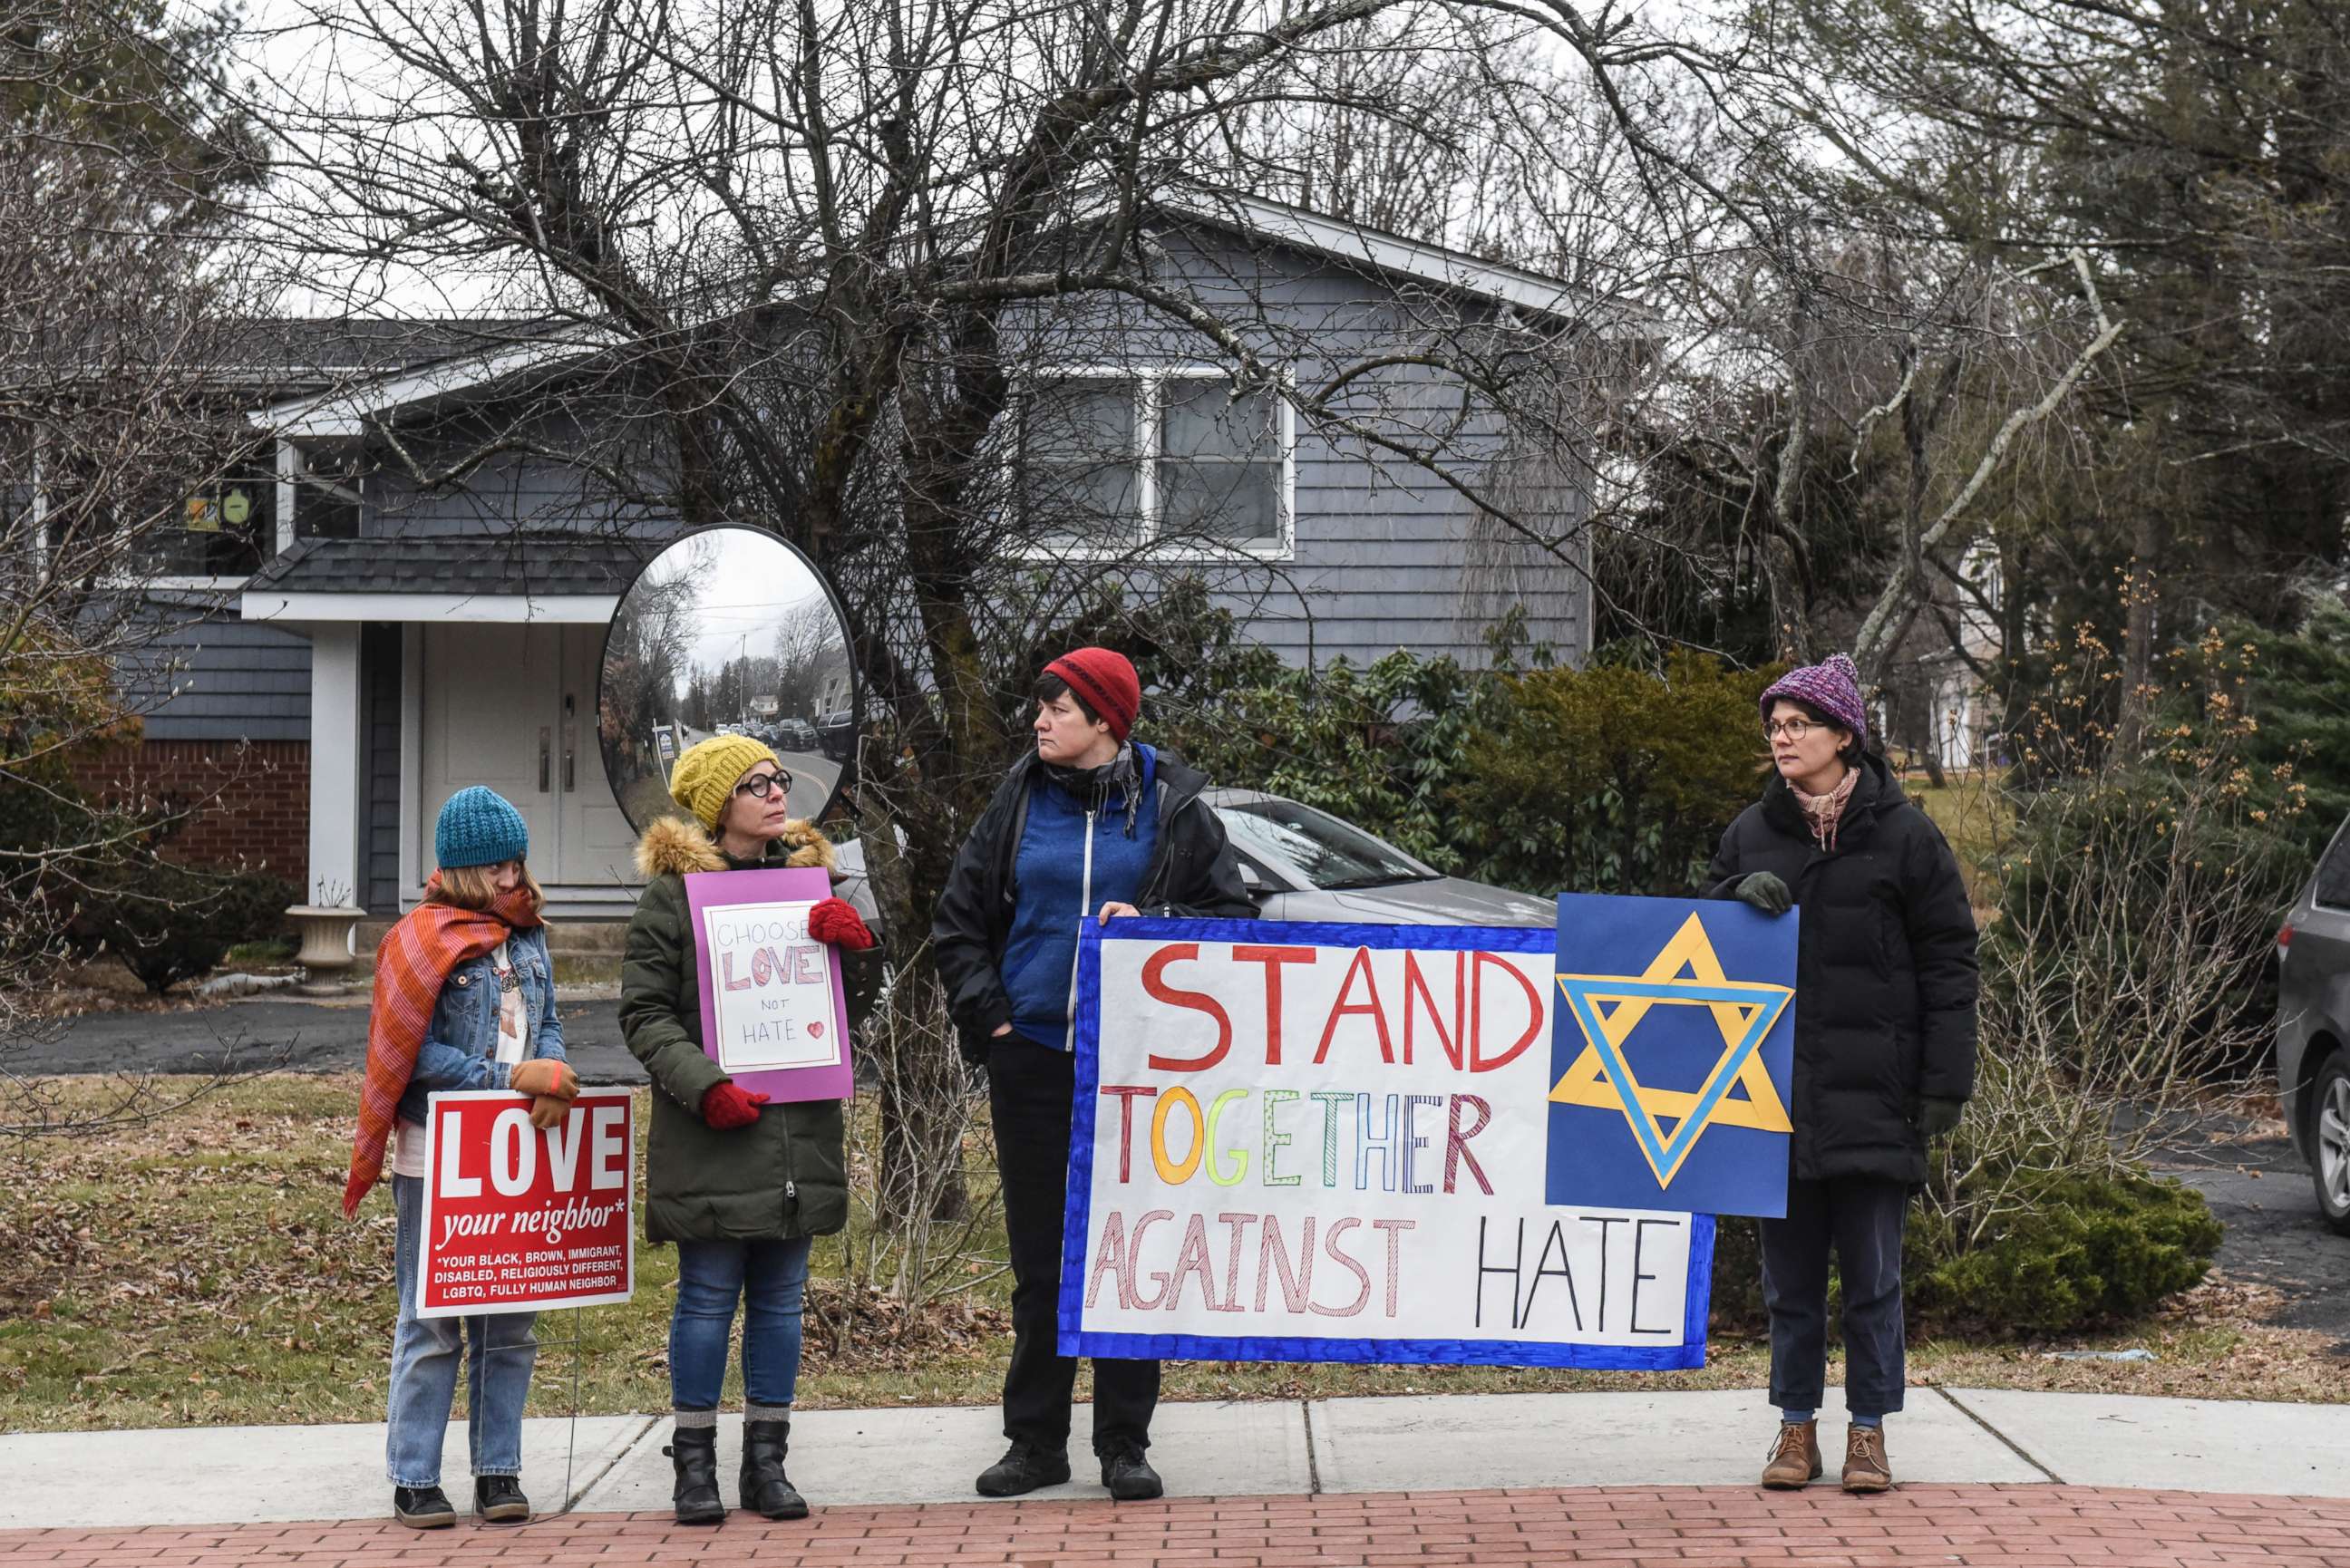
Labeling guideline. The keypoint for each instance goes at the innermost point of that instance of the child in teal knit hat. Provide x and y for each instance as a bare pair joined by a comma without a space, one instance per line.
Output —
464,999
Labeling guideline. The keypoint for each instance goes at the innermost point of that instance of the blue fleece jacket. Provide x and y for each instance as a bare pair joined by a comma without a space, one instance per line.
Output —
1049,900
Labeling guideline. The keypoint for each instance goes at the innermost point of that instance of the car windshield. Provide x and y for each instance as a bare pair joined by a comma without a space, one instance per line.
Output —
1316,848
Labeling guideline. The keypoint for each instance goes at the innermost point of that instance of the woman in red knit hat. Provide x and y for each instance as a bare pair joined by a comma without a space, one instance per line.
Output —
1089,823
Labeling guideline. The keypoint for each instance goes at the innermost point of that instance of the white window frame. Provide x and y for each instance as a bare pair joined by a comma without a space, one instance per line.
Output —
1150,439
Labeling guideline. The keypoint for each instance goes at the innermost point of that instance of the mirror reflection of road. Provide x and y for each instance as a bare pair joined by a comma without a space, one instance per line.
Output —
813,776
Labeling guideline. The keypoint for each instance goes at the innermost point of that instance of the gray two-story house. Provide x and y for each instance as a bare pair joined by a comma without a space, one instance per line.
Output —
397,642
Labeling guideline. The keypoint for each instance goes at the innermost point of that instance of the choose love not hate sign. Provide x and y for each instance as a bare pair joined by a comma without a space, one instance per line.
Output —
1298,1142
773,1012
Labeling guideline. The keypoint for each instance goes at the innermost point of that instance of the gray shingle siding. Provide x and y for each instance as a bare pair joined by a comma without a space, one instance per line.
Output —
511,490
1385,555
239,682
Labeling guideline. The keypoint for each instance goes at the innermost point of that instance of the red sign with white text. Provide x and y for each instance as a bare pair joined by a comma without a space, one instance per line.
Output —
518,1218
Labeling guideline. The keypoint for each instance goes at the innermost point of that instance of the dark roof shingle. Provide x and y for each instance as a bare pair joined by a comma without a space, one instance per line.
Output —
527,564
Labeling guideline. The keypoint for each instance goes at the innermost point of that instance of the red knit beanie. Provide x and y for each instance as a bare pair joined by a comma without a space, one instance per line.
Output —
1105,680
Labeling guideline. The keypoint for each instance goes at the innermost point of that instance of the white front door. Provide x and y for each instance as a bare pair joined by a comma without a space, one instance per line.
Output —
513,706
598,848
489,702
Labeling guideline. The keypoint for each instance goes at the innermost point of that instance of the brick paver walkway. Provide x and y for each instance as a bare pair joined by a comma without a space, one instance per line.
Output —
1690,1527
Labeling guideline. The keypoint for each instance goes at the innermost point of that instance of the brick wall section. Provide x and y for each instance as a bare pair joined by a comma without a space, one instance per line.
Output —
248,800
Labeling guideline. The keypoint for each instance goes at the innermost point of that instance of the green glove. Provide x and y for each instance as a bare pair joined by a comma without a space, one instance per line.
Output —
1939,1117
1764,891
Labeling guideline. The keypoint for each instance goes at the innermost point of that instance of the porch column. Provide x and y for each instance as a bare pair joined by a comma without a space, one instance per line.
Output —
334,784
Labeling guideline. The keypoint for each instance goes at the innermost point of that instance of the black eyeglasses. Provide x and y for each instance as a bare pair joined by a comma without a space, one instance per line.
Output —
760,785
1794,728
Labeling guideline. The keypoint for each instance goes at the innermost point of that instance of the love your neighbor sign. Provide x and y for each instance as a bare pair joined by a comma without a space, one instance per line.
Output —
518,1218
1300,1142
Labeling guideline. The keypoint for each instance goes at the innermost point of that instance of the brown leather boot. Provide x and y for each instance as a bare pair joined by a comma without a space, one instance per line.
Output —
1865,1468
1795,1461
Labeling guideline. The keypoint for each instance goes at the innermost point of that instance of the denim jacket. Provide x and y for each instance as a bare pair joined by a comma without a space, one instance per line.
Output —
460,1049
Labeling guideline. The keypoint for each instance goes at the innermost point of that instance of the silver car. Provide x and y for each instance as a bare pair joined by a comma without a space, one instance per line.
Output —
1301,864
2313,1024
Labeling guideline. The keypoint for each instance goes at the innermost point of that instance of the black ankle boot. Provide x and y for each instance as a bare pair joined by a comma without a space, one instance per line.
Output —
765,1489
1023,1467
695,1451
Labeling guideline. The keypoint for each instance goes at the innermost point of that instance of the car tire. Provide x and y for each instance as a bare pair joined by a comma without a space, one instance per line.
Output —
2329,1140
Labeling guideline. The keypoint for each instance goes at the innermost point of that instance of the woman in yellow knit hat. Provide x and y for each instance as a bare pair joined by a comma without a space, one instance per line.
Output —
739,1185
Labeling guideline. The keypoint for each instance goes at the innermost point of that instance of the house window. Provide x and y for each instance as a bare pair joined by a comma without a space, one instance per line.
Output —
1080,462
323,511
329,488
1169,458
223,529
1219,466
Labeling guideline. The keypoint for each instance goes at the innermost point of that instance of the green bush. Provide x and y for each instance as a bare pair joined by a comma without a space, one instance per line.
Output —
1610,778
2087,1248
1738,1276
2084,1251
2301,722
169,923
2140,881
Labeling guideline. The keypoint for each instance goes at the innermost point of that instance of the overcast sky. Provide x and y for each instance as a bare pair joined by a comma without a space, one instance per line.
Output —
746,585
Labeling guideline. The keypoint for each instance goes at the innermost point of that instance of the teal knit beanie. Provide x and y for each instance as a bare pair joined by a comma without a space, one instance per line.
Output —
479,827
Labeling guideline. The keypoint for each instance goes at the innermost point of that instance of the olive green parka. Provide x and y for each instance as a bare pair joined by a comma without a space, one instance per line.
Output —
786,1175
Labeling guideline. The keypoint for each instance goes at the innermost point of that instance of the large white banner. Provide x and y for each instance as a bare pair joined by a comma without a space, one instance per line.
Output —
1328,1143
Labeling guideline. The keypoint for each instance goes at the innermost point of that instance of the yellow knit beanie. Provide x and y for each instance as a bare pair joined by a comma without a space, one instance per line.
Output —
706,774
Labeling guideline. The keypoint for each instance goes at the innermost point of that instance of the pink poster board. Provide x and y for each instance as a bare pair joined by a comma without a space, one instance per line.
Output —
773,1013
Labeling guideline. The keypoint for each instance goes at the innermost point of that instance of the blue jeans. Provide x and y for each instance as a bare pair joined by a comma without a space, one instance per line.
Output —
771,1278
499,1353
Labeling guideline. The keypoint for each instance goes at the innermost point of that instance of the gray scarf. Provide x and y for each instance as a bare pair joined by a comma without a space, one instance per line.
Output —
1094,787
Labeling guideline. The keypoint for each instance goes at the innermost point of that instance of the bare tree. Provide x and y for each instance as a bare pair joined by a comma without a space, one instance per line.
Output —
118,427
826,270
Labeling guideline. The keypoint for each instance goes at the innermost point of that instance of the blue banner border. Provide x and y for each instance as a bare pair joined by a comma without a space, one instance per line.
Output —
1077,1215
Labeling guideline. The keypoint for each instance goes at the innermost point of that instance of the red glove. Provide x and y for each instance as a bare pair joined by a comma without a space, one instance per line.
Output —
837,923
726,1105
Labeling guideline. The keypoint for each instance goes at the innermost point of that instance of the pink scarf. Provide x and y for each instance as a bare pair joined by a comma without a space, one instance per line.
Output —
1826,810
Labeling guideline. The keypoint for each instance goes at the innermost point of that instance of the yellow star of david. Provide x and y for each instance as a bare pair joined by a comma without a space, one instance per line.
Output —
1601,1076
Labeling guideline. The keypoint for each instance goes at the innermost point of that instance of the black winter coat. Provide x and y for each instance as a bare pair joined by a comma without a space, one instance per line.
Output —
1885,971
1191,874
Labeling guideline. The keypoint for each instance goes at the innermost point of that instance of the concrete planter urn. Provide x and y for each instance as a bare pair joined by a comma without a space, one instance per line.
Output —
326,952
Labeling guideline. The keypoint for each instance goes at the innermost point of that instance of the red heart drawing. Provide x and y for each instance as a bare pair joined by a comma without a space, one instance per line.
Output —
816,1031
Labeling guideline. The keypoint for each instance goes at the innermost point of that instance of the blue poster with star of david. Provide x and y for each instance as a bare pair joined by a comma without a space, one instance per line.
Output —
1672,1055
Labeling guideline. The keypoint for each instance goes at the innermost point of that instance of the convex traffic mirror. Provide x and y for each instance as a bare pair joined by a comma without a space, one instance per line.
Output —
727,631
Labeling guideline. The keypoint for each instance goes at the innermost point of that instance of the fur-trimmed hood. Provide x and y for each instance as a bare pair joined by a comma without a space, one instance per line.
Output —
672,845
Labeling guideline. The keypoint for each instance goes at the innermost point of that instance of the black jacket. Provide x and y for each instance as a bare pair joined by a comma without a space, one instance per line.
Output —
1885,971
1191,874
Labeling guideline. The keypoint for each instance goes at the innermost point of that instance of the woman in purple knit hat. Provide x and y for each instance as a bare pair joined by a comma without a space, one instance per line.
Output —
1885,1049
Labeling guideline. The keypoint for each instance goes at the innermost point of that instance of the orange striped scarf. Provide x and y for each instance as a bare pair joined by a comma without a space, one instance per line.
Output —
415,960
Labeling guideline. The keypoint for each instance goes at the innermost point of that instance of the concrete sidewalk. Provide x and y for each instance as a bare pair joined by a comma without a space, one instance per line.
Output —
880,1457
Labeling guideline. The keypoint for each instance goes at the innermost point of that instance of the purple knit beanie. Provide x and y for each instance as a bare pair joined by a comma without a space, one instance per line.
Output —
1833,688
